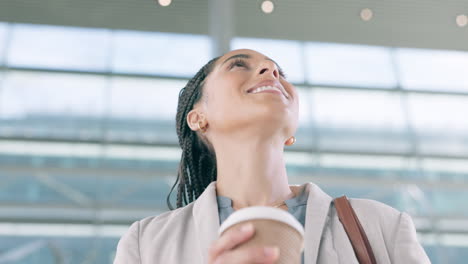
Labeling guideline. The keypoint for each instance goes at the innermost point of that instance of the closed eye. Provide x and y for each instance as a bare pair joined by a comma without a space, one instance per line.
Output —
242,63
238,63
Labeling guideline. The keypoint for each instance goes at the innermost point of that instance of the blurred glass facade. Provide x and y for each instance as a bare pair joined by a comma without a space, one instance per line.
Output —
88,142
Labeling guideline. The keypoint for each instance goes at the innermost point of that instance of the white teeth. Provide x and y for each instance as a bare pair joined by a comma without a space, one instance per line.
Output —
263,88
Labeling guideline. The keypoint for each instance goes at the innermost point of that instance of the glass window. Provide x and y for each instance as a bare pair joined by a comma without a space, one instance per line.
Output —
362,162
29,93
305,133
343,108
305,100
138,98
436,113
359,120
440,122
59,47
433,69
160,53
287,53
3,40
349,65
446,165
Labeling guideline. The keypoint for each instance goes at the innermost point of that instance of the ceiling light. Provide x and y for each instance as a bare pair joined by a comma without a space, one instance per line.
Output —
366,14
267,7
165,2
462,20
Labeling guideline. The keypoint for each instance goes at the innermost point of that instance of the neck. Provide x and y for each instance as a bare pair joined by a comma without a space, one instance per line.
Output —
252,173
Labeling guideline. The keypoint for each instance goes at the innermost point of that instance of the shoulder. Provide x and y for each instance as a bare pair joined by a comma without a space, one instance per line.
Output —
396,228
152,232
153,225
377,215
372,208
382,221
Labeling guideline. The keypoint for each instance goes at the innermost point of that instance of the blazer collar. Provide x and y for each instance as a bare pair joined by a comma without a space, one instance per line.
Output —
205,213
318,205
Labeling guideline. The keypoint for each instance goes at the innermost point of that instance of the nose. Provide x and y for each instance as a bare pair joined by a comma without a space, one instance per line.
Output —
269,67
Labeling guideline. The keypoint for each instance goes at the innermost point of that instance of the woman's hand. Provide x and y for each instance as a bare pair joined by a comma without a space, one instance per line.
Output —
222,250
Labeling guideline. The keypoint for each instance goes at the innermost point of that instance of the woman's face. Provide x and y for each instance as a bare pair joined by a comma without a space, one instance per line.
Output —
231,102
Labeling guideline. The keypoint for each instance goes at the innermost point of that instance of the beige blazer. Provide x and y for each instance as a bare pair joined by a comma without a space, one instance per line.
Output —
185,234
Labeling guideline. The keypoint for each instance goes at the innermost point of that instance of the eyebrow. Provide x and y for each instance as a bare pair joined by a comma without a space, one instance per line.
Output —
247,56
244,56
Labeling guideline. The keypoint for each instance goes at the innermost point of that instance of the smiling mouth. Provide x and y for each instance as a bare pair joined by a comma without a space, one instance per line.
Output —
267,89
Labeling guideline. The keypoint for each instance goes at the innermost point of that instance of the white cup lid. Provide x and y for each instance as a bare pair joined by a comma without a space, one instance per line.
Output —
261,212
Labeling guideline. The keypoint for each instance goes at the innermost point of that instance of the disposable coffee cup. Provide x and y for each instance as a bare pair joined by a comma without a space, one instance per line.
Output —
273,228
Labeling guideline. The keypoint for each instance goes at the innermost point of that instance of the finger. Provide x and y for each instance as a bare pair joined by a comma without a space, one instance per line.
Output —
249,255
231,239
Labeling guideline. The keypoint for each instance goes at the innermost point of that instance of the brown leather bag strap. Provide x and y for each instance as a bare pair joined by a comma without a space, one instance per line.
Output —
354,230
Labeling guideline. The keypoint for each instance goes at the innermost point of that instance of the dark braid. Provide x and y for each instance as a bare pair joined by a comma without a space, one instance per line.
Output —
197,166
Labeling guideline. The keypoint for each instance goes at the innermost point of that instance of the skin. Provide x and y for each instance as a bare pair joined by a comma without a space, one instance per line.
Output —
248,133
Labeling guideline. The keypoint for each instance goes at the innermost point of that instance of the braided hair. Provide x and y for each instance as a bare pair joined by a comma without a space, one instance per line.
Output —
197,167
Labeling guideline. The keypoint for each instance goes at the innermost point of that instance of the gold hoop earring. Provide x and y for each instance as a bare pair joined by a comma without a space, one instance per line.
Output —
203,130
290,141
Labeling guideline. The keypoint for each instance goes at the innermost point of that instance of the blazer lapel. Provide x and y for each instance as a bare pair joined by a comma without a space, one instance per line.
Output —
318,205
206,217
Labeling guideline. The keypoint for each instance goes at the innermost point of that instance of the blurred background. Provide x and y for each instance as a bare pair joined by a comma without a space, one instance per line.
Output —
89,89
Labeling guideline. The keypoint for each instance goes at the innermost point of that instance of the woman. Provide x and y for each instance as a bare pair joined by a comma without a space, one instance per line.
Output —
234,118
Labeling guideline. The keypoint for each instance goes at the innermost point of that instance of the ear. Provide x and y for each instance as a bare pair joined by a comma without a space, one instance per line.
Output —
193,118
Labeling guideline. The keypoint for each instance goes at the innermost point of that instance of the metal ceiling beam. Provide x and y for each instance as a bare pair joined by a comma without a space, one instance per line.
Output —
293,149
26,213
305,85
320,178
330,180
221,25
